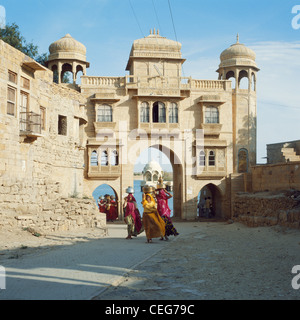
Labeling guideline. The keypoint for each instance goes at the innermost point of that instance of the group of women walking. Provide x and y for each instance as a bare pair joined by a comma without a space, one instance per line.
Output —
108,205
156,221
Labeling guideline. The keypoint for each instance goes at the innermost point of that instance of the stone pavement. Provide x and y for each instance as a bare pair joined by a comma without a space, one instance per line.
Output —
78,271
208,260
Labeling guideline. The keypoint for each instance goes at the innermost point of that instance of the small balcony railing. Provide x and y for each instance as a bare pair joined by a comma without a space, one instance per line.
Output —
30,123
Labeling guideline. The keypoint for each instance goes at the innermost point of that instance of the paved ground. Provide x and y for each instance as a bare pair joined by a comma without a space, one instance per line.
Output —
208,260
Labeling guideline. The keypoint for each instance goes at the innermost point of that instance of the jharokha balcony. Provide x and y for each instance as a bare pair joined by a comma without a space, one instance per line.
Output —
30,124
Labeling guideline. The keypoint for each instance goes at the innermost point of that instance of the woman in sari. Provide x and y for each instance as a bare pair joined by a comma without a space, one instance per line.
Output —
132,217
153,223
112,209
164,211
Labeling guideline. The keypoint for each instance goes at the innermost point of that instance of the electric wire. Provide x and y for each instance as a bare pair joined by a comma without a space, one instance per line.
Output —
156,16
137,21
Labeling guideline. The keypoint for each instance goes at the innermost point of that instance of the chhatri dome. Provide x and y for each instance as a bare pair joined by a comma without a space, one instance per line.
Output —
68,48
67,54
238,54
154,46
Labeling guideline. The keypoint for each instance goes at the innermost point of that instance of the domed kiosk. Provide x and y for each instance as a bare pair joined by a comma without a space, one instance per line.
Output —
67,54
238,62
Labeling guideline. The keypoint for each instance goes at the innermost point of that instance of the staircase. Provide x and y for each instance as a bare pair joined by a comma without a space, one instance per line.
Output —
290,155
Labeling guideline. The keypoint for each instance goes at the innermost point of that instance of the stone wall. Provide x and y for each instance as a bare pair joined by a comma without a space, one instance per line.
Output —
276,177
268,209
24,205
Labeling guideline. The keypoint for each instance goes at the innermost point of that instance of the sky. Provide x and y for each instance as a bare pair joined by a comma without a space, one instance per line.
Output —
204,28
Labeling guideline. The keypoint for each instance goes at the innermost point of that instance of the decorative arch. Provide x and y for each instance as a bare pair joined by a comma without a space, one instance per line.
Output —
243,160
212,191
243,81
159,112
230,75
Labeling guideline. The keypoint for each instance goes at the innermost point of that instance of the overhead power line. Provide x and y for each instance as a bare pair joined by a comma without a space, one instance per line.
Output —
172,20
137,21
156,16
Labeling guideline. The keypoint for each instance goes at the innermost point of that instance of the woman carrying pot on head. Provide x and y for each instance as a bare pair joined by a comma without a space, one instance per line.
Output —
132,215
162,197
153,223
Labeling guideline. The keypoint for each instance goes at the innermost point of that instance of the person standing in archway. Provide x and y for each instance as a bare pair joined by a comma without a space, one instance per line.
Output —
112,213
163,208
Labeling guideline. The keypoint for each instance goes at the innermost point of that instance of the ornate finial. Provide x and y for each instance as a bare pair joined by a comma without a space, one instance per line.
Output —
158,32
150,31
237,38
154,31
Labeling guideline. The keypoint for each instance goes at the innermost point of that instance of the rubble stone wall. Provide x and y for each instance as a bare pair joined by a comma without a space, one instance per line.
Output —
267,209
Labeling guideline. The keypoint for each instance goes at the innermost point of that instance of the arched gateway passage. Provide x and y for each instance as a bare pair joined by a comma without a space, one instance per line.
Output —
212,192
177,177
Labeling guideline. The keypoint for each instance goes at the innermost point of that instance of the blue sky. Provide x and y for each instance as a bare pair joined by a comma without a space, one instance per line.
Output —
205,28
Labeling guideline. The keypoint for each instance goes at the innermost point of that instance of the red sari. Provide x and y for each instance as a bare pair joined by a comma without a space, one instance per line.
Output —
112,212
165,212
132,211
102,206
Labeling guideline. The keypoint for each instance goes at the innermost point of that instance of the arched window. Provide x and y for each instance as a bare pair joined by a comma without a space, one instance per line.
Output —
173,113
114,158
104,158
144,112
230,76
159,112
104,113
94,159
211,115
243,160
202,159
211,158
243,80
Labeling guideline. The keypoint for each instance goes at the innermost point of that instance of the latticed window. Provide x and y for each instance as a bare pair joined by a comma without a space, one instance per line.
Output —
114,158
104,158
173,113
104,113
94,159
12,77
211,158
11,101
202,159
211,115
159,112
144,112
25,83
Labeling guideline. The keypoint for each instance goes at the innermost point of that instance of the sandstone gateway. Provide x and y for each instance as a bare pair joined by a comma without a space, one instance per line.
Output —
58,142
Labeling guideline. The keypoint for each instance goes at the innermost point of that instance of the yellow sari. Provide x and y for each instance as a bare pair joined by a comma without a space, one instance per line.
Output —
153,224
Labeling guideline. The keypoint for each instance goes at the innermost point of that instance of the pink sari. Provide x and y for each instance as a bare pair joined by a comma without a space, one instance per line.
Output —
134,212
162,204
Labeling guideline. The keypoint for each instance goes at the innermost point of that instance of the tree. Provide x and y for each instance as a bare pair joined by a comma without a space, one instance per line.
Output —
12,35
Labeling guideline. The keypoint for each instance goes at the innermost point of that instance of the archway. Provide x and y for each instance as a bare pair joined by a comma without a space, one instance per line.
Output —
102,190
172,171
212,192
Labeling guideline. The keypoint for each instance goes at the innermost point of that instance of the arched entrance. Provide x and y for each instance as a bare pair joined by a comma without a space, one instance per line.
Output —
102,190
172,176
212,192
